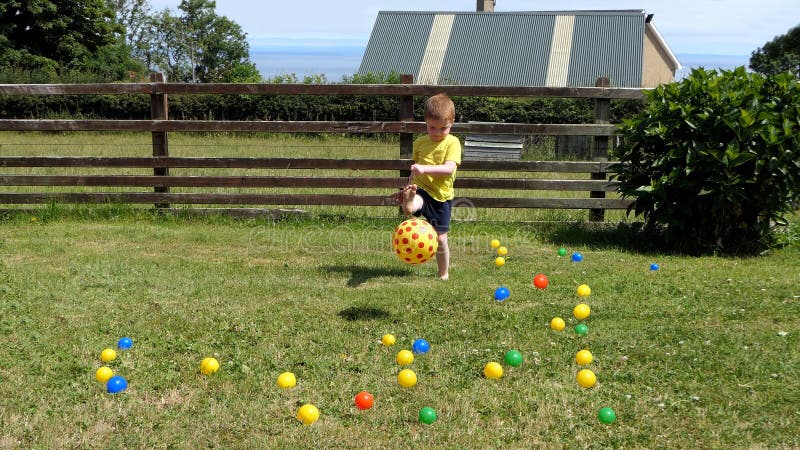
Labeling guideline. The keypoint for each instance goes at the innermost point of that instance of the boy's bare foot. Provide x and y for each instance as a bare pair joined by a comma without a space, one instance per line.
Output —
444,277
398,196
407,198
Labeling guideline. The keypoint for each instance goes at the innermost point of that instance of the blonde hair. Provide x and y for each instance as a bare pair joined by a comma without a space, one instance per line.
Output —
440,107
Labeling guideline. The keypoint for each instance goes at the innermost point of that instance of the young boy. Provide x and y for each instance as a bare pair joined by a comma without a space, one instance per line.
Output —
430,190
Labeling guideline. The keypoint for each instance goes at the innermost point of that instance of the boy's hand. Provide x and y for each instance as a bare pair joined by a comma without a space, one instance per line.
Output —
417,169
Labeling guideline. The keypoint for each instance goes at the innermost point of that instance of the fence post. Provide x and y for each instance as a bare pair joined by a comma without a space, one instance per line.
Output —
602,107
159,108
406,115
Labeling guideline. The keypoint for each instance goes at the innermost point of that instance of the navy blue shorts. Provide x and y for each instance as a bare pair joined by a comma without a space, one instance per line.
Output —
435,212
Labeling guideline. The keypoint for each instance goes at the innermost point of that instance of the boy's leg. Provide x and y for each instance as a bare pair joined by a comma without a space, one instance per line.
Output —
410,201
443,257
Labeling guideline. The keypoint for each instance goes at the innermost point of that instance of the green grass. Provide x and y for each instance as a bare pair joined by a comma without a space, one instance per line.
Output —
700,354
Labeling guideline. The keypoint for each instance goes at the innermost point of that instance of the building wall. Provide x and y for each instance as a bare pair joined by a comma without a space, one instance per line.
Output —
656,66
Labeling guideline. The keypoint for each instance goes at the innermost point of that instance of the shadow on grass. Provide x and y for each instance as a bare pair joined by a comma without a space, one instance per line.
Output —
622,236
354,313
636,237
360,274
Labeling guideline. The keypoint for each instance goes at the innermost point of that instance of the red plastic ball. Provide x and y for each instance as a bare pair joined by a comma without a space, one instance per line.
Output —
364,400
540,281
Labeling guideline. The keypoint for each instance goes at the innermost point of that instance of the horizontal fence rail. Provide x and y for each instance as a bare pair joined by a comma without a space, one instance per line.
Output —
338,188
396,90
303,199
291,163
252,181
316,182
298,126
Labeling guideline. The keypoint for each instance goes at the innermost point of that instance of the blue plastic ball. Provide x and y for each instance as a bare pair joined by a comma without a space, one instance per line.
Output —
501,293
116,384
654,266
420,346
577,257
125,343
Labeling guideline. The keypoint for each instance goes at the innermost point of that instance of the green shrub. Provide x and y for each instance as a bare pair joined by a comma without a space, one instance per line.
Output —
714,160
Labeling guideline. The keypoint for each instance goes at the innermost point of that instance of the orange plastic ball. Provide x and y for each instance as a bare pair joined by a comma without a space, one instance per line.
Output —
364,400
541,281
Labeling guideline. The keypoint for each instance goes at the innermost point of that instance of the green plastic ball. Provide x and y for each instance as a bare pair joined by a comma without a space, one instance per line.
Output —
513,358
427,415
562,251
606,415
581,329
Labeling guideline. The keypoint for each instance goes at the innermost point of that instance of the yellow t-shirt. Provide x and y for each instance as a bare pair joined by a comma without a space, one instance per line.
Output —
431,153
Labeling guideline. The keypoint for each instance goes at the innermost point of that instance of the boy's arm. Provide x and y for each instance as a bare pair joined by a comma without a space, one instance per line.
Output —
439,170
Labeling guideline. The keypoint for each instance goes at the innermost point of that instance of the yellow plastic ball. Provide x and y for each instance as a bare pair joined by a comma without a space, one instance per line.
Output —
404,357
581,311
584,357
586,378
495,243
104,374
407,378
308,414
493,370
584,290
388,340
502,251
499,261
557,323
108,355
209,366
414,241
286,380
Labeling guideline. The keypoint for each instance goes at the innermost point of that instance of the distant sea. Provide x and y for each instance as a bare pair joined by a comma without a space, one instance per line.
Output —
719,62
332,61
337,61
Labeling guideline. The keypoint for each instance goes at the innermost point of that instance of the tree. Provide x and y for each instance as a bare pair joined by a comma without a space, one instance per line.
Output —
135,16
778,55
199,46
714,160
60,36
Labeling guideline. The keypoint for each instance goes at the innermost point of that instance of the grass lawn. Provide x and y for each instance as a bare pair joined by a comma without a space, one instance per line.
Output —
702,353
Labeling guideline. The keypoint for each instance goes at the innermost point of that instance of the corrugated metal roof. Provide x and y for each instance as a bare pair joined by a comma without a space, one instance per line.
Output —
436,49
511,48
622,41
498,49
397,43
560,51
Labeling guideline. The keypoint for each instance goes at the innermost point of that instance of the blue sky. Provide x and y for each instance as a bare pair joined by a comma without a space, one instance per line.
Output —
712,33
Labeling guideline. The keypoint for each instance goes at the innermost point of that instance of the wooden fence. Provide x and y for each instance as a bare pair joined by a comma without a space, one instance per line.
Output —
158,184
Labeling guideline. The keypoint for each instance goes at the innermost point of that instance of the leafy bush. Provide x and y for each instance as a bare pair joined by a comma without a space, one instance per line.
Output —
714,160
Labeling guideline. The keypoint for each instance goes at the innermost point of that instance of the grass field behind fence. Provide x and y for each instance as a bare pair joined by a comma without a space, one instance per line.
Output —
702,353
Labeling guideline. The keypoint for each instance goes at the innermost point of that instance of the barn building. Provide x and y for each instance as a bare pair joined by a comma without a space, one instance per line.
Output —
521,48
